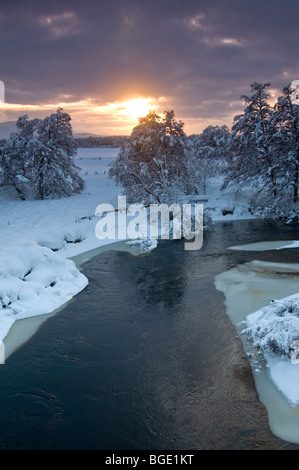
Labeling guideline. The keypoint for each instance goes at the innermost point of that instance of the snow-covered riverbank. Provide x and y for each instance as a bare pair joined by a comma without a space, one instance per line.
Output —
257,297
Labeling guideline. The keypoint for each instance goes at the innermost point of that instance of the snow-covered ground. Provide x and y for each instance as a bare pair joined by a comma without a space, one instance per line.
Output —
38,238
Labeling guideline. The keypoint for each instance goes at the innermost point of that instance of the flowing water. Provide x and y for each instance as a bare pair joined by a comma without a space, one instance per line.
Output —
145,357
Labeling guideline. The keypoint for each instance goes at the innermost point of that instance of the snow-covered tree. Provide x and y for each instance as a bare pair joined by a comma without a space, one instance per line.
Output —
252,161
57,130
285,141
16,158
283,144
249,154
207,158
38,159
152,164
264,153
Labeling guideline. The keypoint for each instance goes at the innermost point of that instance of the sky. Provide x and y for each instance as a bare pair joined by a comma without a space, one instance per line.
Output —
108,62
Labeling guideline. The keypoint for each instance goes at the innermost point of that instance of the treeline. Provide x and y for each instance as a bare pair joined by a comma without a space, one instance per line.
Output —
105,141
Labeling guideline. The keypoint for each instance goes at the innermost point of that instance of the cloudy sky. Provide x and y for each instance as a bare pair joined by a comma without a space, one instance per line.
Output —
108,61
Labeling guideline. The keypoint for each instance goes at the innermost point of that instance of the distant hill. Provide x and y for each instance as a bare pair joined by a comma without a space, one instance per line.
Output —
82,139
6,128
84,135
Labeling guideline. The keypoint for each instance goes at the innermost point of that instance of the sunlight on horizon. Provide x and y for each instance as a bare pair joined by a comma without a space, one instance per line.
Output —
109,118
137,108
120,115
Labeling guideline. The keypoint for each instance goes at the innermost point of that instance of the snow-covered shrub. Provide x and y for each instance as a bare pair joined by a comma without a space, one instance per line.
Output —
274,328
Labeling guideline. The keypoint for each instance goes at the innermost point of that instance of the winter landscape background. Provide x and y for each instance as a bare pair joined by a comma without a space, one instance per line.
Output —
39,236
164,103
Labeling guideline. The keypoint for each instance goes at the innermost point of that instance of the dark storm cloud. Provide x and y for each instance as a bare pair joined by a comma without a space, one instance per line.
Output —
202,55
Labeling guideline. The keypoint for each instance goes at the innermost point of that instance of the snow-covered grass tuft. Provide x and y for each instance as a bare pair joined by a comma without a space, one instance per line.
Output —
274,328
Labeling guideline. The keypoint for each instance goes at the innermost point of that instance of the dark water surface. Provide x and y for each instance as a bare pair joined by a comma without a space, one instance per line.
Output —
144,358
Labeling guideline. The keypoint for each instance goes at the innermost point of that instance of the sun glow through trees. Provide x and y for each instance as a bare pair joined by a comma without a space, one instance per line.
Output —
137,107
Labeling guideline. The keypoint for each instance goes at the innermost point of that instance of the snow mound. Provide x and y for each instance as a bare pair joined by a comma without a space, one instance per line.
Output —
33,281
58,236
274,331
274,328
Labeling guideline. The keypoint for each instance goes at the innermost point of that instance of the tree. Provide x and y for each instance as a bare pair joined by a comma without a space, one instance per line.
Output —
283,145
38,159
209,150
249,155
152,163
285,119
56,130
251,161
264,153
16,158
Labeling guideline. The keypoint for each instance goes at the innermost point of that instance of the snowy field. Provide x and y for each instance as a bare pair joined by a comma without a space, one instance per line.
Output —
38,238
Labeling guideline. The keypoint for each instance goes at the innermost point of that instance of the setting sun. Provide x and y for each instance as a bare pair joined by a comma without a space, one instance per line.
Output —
136,108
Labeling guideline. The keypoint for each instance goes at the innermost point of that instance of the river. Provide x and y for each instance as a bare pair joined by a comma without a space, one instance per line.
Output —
145,357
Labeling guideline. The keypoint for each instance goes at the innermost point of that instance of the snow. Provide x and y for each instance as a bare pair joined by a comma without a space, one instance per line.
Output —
279,369
273,332
293,244
275,327
267,245
223,205
34,281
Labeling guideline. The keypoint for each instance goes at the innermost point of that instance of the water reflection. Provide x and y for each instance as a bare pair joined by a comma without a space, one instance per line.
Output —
153,278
